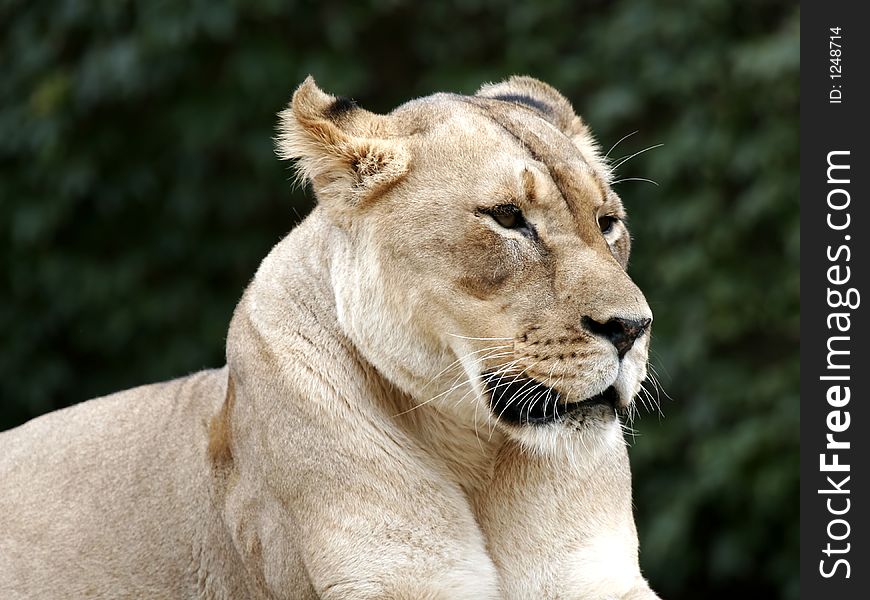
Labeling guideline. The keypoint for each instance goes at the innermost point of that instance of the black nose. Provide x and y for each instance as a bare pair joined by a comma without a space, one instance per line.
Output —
621,332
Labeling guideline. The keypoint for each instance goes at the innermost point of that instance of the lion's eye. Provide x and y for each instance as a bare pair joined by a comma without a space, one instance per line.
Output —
508,220
606,224
508,216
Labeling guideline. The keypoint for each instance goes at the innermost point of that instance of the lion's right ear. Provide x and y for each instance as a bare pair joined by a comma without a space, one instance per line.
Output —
549,103
348,153
540,96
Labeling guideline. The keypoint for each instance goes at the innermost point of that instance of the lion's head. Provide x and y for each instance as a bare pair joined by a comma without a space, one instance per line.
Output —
484,255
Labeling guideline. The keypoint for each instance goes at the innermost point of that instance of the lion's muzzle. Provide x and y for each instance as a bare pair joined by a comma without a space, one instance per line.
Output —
519,400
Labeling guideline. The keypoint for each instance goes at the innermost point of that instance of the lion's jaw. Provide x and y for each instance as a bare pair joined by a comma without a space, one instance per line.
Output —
451,298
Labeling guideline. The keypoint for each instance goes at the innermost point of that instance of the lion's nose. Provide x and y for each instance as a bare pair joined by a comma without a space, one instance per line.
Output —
622,333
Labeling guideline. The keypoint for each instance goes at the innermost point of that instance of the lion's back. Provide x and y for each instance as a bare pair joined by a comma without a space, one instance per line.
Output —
99,498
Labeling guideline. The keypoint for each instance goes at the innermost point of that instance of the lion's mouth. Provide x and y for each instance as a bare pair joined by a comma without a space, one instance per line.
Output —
525,401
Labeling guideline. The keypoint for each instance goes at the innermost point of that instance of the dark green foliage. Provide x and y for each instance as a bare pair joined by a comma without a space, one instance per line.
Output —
139,191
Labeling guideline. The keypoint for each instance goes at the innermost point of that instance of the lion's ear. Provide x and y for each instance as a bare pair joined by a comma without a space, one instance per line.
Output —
347,153
545,99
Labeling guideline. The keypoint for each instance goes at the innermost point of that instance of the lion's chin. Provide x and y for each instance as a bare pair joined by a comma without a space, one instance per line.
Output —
522,401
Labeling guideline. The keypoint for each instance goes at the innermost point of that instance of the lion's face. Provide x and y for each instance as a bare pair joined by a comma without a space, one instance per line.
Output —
490,263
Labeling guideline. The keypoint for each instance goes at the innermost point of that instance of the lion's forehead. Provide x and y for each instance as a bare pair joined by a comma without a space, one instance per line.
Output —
485,133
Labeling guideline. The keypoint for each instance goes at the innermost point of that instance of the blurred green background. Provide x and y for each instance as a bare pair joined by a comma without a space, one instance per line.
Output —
139,191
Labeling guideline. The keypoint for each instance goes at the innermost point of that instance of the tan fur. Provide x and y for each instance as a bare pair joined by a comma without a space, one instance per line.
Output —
349,449
219,432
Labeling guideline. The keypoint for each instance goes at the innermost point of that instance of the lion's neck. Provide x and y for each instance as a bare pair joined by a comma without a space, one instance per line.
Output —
288,336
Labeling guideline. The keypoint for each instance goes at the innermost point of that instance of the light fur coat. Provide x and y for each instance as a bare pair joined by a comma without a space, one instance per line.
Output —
356,445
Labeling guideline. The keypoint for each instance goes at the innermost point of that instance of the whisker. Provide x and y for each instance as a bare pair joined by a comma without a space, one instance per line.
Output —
501,372
510,372
464,337
459,360
632,411
626,429
556,399
555,406
647,396
655,378
521,395
433,398
657,387
527,400
520,374
634,179
529,403
622,139
454,385
625,159
499,384
661,364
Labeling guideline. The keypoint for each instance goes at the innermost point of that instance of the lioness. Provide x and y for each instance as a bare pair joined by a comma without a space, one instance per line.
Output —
421,392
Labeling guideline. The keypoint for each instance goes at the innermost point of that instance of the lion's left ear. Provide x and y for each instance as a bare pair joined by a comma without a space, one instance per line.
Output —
349,154
546,100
